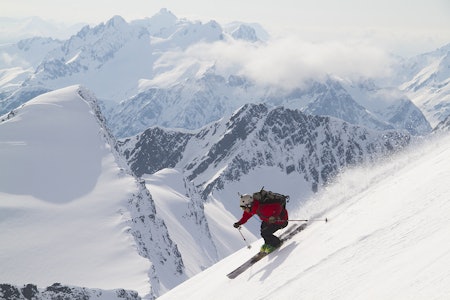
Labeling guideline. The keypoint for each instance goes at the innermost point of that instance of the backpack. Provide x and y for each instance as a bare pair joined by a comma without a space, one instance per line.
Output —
268,197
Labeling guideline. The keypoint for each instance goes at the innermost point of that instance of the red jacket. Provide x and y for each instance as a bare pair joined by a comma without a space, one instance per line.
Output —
265,211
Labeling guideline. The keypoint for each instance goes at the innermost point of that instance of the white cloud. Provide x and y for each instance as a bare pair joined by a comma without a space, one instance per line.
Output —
284,62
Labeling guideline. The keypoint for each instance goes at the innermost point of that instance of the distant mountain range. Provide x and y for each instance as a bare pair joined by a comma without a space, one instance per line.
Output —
119,62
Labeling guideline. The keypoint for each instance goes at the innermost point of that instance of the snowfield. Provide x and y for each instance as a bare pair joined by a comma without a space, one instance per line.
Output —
63,200
388,237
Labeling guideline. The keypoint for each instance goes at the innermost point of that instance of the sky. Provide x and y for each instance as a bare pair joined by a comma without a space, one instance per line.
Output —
424,23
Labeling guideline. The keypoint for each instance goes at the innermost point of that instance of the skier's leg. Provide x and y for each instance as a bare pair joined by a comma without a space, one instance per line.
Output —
264,232
267,231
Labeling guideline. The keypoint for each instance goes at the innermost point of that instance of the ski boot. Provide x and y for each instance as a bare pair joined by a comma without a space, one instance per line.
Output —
270,248
263,248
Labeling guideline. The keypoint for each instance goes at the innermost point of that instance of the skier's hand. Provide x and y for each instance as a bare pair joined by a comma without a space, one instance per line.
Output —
272,220
236,225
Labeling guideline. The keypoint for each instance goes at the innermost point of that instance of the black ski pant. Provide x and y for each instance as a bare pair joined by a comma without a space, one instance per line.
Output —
267,233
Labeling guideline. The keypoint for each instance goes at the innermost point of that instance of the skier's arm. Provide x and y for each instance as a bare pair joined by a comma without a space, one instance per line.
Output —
245,216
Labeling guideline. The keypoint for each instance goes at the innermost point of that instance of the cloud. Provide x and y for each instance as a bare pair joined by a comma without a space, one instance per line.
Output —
284,62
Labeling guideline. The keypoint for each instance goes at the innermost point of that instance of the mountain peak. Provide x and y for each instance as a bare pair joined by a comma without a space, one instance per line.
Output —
164,17
116,22
245,32
165,12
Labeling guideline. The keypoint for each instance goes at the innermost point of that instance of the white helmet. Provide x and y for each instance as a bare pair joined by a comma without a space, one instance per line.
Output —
246,201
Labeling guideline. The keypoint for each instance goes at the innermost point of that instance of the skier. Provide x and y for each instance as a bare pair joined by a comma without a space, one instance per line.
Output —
274,216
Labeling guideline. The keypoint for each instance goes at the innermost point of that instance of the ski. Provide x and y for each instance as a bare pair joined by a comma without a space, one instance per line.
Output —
288,234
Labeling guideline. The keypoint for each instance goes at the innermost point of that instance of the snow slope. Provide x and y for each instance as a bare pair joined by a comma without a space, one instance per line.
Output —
185,219
63,200
388,238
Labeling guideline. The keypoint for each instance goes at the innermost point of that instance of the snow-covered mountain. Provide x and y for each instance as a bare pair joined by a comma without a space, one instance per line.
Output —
98,57
72,211
194,103
429,89
112,57
387,238
18,63
257,136
189,104
141,64
389,105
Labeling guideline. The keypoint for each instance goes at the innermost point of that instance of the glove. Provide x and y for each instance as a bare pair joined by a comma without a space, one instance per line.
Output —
272,220
236,225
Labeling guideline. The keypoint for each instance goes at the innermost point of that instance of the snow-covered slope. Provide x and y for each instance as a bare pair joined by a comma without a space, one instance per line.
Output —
64,200
182,209
71,210
388,237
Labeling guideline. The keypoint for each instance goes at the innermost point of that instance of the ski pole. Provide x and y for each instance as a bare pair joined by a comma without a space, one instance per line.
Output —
310,220
248,245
